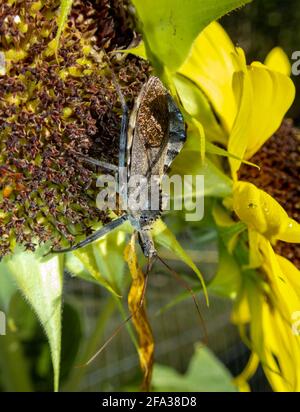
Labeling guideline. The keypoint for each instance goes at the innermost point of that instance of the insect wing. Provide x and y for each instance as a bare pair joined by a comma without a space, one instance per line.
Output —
148,130
156,135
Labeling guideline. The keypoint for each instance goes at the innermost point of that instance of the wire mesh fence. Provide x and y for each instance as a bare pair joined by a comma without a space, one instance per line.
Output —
176,331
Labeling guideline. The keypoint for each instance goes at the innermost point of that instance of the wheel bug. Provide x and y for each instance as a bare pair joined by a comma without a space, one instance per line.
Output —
149,142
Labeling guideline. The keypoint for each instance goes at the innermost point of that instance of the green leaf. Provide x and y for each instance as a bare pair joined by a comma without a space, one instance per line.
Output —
227,281
205,374
213,149
87,257
255,301
109,255
188,162
164,237
102,261
74,267
197,105
170,26
230,235
138,50
40,280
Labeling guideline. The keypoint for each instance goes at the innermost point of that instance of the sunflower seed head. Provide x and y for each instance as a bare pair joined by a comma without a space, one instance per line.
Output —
52,110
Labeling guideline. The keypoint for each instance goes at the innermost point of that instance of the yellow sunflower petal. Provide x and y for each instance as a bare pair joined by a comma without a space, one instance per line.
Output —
270,310
269,340
281,350
263,97
291,233
278,61
248,372
291,272
282,345
255,258
242,127
210,66
259,210
241,311
273,94
287,296
280,340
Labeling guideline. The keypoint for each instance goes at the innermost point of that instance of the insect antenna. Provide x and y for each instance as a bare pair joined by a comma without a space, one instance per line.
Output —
120,327
192,293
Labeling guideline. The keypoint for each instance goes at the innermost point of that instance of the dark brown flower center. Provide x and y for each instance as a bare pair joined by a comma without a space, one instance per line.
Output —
55,108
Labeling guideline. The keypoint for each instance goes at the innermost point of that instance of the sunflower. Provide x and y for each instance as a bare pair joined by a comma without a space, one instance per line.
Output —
249,103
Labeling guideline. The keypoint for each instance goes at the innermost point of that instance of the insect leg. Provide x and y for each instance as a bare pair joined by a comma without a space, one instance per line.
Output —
117,330
190,290
100,163
94,236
